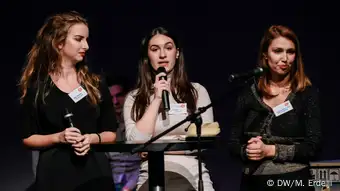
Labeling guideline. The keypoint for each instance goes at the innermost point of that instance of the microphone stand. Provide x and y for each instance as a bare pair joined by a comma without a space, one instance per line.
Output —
193,118
198,123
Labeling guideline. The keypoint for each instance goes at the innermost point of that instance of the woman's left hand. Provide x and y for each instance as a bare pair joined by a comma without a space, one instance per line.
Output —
82,148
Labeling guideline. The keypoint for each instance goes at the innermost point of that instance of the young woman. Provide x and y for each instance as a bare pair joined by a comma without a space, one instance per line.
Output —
277,129
57,79
145,116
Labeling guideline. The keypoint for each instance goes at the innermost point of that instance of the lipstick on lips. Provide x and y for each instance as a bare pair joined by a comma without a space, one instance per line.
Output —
82,54
283,67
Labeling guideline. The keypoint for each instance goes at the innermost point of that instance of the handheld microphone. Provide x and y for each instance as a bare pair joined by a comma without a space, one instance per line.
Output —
68,117
254,72
165,94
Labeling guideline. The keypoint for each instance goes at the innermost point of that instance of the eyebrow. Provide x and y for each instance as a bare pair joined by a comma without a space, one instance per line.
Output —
161,44
77,35
275,47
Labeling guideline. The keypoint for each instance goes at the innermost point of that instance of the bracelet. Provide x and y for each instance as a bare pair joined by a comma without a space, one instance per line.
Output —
99,138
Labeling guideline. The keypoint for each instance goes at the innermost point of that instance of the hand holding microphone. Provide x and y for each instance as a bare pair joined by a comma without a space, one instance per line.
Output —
80,143
70,135
162,87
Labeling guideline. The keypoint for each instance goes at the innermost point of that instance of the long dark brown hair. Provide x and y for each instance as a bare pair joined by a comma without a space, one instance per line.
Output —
44,58
181,89
298,79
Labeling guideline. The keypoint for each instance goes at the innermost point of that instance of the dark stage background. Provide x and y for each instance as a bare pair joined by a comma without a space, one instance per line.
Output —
219,38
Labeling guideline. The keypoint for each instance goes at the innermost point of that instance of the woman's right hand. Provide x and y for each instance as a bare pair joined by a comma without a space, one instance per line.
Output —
70,135
160,85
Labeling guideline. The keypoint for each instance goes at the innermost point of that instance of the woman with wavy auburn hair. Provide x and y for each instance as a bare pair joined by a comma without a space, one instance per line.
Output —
276,130
55,82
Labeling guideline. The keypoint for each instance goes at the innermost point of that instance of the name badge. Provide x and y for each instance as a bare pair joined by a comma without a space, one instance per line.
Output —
78,94
282,108
178,108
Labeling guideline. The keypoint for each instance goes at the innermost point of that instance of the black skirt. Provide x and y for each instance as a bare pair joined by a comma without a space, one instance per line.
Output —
59,169
300,180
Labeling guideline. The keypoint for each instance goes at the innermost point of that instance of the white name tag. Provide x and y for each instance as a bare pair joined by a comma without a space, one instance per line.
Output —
78,94
282,108
178,108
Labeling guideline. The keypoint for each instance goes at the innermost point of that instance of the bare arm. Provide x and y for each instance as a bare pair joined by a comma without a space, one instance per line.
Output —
70,135
105,137
42,140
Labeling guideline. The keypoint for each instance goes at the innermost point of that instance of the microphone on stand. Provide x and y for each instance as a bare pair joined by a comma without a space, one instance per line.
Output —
251,73
165,94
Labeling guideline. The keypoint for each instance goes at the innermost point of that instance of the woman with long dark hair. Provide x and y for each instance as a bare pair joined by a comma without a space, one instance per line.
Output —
145,116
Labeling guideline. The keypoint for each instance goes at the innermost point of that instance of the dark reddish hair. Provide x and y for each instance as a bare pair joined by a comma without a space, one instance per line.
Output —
298,79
